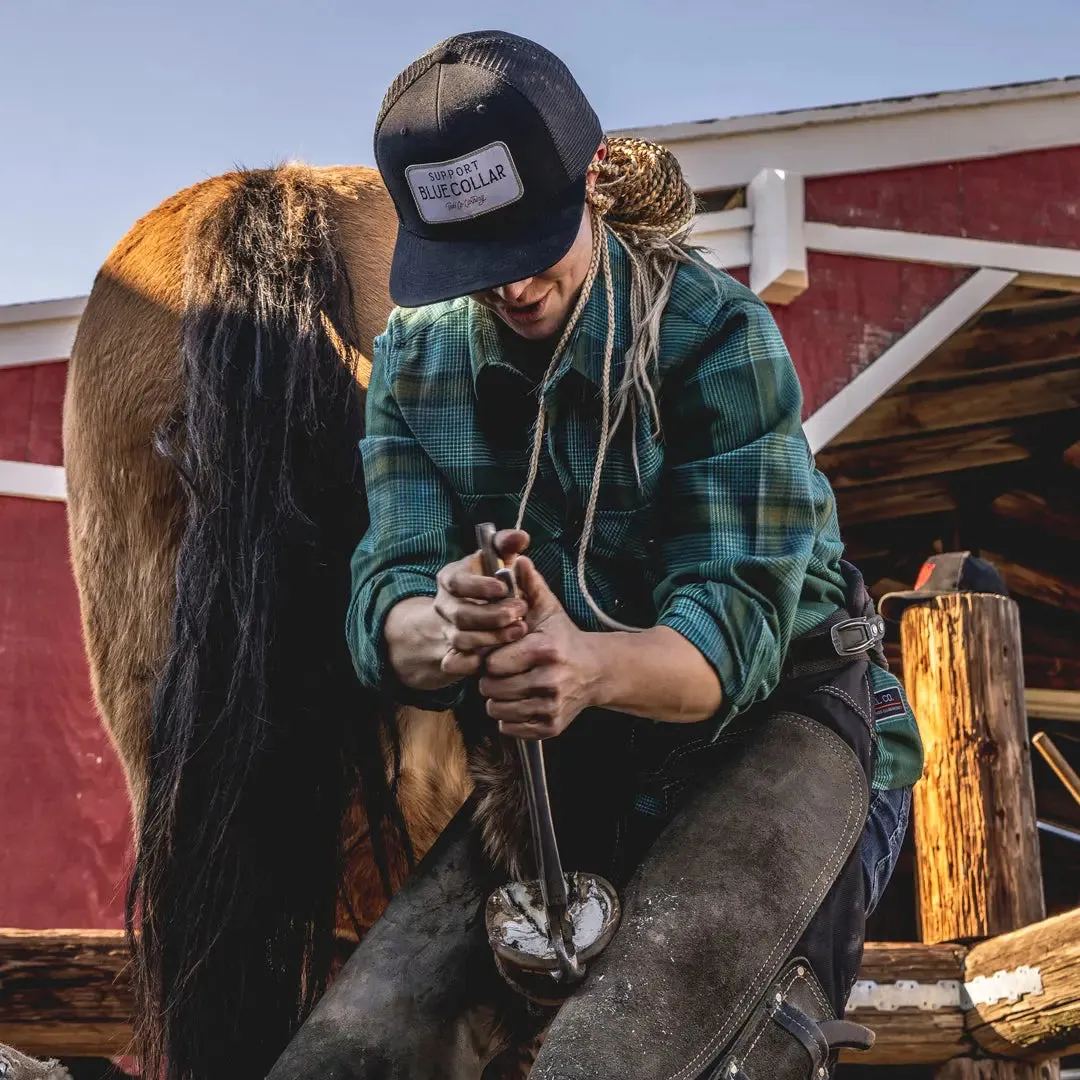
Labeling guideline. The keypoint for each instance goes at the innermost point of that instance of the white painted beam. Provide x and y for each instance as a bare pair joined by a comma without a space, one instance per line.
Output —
39,333
777,249
920,130
942,250
725,237
28,480
903,356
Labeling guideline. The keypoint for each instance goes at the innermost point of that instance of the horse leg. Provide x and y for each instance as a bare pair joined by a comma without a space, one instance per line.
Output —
125,506
420,998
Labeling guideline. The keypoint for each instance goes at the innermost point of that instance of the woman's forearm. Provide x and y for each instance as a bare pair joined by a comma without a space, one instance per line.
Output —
656,674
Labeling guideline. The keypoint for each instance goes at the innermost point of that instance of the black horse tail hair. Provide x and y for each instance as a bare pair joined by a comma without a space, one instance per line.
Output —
261,735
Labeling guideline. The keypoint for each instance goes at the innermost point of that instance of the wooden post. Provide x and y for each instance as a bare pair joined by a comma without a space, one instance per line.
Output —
977,849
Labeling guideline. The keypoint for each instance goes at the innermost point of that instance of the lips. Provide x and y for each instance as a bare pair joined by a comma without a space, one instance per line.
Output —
523,314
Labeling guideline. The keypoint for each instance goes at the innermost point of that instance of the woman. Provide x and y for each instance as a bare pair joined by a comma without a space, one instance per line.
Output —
687,637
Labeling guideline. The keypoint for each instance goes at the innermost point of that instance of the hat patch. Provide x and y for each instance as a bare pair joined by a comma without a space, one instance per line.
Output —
467,186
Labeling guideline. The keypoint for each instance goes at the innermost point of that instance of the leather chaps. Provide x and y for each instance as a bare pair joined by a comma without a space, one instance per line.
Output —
741,936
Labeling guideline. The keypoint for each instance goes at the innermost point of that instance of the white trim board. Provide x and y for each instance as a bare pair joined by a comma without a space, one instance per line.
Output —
941,250
922,130
29,480
903,356
41,310
39,333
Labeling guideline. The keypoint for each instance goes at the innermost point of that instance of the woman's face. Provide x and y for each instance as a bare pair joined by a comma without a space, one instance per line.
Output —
538,307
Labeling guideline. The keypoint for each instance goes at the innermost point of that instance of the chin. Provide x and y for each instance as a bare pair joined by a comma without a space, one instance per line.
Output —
536,331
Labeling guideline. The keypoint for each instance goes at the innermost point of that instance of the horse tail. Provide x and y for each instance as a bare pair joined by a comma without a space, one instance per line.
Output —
260,732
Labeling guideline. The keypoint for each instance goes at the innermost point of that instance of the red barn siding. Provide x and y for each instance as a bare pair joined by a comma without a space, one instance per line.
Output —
31,400
1029,198
852,312
64,830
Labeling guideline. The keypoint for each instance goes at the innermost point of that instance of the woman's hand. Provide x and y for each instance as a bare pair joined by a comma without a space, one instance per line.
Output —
536,686
432,643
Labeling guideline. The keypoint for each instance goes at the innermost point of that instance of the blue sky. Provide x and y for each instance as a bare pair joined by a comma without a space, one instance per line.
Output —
109,106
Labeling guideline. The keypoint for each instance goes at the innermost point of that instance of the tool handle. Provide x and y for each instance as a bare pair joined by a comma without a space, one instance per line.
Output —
548,863
489,558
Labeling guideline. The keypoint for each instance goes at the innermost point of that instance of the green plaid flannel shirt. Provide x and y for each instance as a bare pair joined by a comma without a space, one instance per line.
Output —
725,531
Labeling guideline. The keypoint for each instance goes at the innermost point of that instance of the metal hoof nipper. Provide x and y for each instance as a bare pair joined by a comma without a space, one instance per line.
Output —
544,932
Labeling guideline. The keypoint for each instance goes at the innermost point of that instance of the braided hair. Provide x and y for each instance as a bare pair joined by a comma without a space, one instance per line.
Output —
642,198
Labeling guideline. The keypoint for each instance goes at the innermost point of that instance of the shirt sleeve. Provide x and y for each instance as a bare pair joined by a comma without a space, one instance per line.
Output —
410,535
741,503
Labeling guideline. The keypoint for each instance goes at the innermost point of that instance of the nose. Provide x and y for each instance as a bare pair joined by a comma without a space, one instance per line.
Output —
513,293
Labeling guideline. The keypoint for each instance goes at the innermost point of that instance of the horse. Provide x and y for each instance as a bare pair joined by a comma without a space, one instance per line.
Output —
214,404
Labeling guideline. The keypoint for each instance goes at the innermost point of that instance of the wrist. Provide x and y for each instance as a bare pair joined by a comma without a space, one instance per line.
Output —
415,645
599,649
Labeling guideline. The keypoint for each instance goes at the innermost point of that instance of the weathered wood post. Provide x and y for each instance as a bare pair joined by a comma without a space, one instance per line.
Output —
977,848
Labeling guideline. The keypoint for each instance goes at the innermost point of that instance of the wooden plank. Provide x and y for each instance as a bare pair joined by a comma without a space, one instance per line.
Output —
1053,704
1060,282
909,1036
65,992
1038,585
1030,509
1040,1024
908,498
939,410
991,348
922,455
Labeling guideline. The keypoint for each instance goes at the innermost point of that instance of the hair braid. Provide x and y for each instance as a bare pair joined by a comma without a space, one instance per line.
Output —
643,199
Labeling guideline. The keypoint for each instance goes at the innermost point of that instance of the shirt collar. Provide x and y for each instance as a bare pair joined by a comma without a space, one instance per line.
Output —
585,350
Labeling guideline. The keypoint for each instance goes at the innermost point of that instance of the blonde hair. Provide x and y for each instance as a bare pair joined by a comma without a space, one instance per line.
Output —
642,198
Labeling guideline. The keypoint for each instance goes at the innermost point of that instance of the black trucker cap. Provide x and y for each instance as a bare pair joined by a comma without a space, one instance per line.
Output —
953,572
483,144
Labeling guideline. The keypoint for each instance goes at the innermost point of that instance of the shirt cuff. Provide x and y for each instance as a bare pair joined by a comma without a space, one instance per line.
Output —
698,625
367,642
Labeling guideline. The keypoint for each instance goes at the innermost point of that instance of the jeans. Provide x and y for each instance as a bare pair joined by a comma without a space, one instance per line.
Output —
882,839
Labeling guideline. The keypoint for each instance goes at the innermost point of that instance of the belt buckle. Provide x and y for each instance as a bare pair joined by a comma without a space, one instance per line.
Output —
871,630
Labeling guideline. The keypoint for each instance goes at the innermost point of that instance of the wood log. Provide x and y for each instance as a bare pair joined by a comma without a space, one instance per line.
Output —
922,455
1038,585
910,1035
1033,511
1038,1024
64,993
977,849
976,844
996,1069
940,409
908,498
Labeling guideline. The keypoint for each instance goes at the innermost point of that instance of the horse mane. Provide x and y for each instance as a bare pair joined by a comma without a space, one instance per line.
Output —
260,735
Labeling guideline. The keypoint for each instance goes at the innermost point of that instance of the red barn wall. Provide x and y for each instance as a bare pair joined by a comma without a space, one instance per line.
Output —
64,829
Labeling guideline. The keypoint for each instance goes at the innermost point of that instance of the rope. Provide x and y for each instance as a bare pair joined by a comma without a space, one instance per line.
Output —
642,197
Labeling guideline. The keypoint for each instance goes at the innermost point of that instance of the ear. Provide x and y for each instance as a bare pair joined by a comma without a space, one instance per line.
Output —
593,173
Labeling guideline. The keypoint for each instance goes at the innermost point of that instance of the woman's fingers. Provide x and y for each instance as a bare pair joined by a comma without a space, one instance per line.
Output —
470,641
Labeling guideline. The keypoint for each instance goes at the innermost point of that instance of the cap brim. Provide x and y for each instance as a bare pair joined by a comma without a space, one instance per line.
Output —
892,605
427,271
